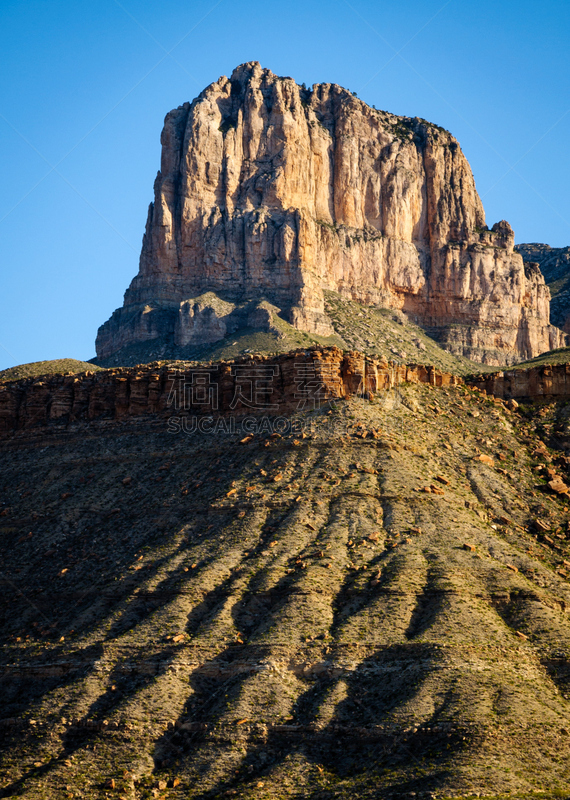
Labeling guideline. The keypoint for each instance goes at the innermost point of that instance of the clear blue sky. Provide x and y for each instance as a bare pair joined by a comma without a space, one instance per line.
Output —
85,87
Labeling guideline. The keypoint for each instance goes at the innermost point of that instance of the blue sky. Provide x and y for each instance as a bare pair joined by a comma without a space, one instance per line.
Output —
85,88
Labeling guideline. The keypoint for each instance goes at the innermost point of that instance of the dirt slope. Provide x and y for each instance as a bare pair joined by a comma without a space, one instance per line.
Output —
310,616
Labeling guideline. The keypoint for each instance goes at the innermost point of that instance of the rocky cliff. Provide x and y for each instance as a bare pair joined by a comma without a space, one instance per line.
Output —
295,381
270,191
554,263
244,388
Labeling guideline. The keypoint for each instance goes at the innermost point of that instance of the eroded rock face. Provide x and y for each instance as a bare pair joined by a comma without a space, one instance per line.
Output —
269,190
295,381
202,320
554,263
550,381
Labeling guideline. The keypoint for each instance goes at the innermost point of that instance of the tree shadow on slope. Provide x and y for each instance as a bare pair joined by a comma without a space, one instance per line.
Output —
76,564
369,737
37,678
122,686
349,747
547,627
20,697
213,692
369,700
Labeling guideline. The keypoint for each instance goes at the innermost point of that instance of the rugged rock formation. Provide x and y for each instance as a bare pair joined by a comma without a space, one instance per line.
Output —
260,386
268,190
554,263
549,381
249,386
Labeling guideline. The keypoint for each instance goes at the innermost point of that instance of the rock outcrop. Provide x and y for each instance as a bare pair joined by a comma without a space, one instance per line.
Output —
270,191
250,386
554,263
260,385
548,381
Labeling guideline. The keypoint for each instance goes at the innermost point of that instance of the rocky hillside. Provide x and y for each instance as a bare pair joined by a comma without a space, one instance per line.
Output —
554,263
270,194
379,332
57,366
368,601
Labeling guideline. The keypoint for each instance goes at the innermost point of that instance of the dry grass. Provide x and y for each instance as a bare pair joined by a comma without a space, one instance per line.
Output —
57,366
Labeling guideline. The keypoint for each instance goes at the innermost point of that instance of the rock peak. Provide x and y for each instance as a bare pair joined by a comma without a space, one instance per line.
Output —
247,70
277,193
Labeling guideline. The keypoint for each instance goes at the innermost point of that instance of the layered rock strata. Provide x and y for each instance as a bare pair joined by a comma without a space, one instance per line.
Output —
301,380
270,190
252,386
551,381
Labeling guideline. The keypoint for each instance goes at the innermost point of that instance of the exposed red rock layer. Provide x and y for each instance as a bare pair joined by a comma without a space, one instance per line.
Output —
268,190
549,381
299,380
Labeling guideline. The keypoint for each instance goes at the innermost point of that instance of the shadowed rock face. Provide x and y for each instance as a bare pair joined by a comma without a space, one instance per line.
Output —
271,191
554,263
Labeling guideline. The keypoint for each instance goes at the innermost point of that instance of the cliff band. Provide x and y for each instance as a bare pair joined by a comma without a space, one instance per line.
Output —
297,381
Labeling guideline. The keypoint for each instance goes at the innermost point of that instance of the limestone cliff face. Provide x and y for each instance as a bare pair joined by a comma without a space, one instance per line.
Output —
554,263
271,191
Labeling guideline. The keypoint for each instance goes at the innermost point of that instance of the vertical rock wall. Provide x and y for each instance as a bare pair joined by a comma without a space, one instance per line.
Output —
270,190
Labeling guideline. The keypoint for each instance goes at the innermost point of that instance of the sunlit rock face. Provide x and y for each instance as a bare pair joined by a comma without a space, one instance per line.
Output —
270,191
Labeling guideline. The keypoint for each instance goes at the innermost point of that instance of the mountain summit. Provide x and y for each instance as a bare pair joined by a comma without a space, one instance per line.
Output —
270,194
